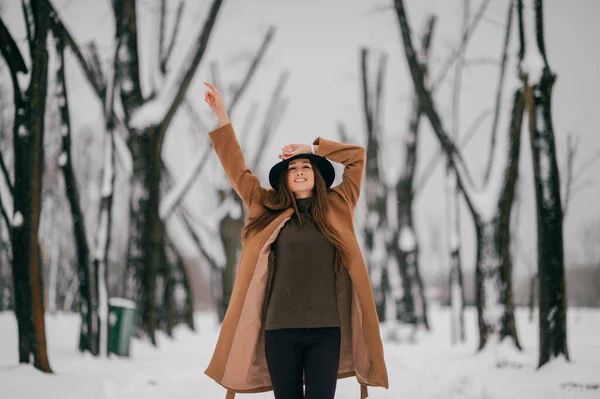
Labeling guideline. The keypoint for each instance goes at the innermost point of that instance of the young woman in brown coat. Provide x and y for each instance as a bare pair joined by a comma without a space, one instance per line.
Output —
302,309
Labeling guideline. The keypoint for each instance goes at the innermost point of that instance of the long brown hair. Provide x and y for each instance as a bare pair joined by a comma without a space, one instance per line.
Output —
277,201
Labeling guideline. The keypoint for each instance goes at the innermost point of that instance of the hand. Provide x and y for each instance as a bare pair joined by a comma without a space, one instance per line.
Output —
215,101
291,150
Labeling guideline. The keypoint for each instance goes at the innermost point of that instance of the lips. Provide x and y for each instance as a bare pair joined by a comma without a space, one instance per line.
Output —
302,180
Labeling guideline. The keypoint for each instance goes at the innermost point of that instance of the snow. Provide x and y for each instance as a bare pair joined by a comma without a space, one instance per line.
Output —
23,132
533,63
428,369
407,240
150,114
108,172
17,219
122,302
127,85
62,159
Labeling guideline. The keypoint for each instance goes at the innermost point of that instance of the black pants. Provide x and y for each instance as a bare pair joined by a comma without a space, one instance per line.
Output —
314,351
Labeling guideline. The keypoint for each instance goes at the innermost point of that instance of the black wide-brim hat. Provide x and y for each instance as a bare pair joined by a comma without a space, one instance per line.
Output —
325,168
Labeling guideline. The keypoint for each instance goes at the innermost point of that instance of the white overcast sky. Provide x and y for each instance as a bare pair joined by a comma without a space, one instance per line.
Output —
319,41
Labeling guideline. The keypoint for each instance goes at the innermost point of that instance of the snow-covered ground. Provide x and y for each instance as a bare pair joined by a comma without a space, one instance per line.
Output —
430,368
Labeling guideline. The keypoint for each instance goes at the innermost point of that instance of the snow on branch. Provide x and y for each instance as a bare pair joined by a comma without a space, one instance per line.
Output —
160,111
531,65
59,30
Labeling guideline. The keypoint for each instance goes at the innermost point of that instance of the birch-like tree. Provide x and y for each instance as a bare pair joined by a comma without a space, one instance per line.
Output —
490,206
30,85
538,81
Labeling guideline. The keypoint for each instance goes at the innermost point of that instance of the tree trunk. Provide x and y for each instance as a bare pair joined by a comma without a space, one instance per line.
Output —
495,313
28,139
230,228
87,341
102,245
552,287
376,192
551,270
405,242
493,300
457,292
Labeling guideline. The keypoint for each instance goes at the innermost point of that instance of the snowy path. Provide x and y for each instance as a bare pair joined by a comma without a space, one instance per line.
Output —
427,370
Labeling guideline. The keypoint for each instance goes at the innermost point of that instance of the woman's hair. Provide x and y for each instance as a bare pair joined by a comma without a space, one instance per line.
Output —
277,201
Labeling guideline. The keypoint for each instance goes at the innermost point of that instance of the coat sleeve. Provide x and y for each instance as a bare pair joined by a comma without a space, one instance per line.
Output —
353,158
230,154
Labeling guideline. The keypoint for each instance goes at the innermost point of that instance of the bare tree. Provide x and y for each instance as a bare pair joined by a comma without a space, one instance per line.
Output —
87,342
146,121
28,139
404,242
376,192
538,81
490,208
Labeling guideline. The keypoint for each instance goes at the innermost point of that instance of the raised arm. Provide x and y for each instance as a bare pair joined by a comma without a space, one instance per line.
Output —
229,151
230,154
353,158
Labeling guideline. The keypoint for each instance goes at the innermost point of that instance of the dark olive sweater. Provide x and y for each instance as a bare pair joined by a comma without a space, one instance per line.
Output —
303,288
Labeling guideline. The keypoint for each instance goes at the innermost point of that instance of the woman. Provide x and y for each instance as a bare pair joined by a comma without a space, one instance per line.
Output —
302,308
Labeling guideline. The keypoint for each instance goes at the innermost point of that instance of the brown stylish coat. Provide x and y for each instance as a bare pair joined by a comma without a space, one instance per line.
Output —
239,362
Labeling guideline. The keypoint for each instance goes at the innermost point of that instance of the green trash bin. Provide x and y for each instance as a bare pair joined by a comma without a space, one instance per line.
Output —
121,319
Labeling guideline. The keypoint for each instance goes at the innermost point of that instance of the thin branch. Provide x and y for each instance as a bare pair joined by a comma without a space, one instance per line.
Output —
463,179
174,197
96,65
14,59
197,122
364,52
343,132
6,174
588,163
572,146
178,193
253,66
7,219
455,54
499,89
166,56
248,123
161,32
189,70
407,180
59,30
215,75
272,111
378,108
190,230
28,22
481,61
438,157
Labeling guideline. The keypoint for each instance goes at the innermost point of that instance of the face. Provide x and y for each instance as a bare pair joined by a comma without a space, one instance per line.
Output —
301,178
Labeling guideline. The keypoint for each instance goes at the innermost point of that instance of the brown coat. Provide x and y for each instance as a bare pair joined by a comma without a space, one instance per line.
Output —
238,362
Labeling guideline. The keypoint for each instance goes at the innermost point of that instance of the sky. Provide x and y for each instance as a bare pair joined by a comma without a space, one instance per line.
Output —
318,42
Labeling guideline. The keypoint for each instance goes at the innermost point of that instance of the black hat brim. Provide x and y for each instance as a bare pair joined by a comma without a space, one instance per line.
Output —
325,168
